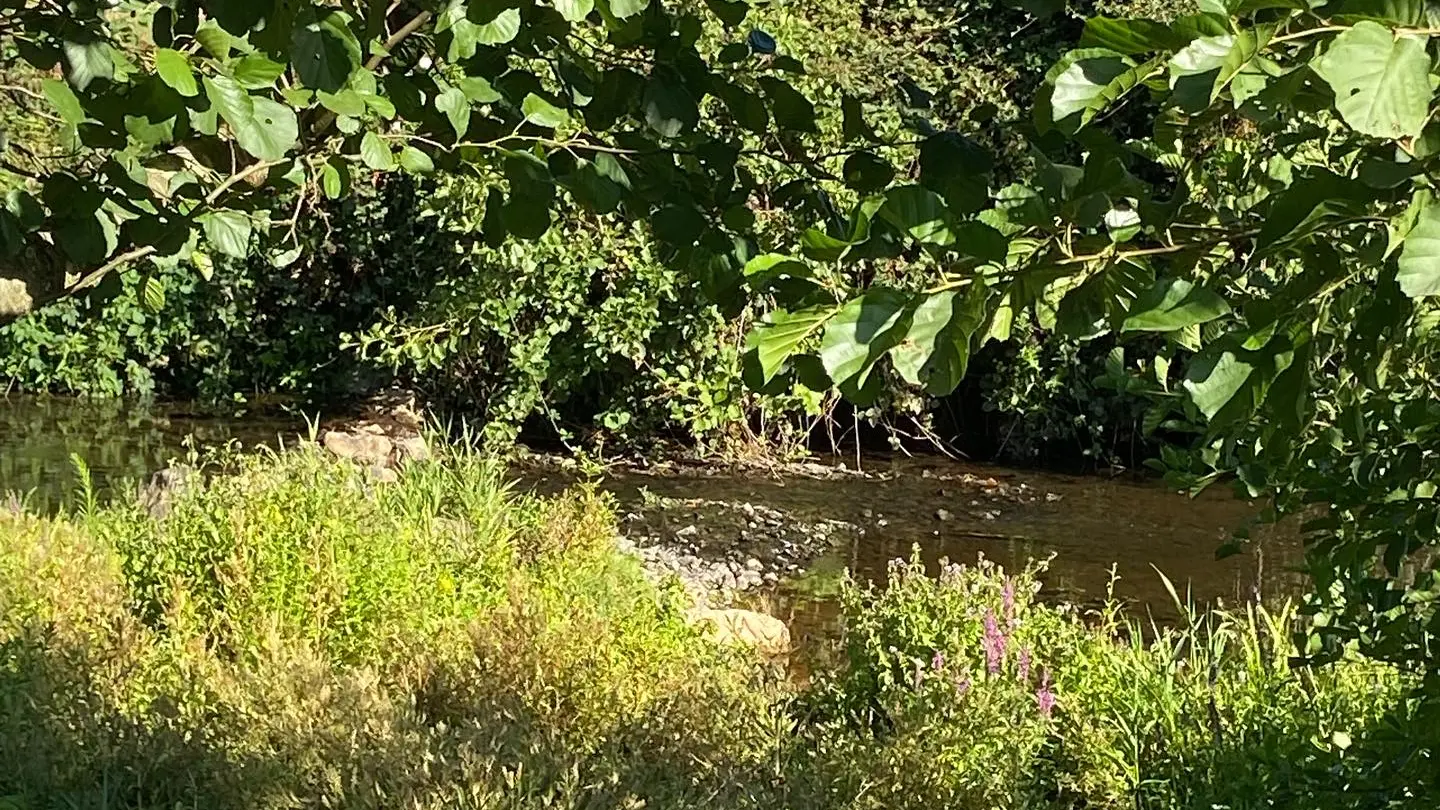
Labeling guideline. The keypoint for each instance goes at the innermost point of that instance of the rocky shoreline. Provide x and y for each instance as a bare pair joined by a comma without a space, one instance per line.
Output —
718,549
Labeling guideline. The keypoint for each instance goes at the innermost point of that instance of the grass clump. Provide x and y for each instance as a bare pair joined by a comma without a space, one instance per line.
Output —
295,635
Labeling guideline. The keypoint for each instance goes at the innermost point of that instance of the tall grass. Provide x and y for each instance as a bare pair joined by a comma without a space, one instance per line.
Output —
293,634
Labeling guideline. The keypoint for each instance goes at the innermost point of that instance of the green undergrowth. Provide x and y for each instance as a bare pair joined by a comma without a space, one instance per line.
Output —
295,635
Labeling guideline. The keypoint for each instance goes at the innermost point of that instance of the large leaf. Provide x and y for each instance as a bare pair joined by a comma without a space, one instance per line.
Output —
1130,36
174,69
228,231
789,107
1202,70
860,333
263,127
324,50
64,101
87,61
542,113
919,212
454,103
936,349
1089,86
1419,266
574,10
780,336
376,153
627,8
1381,81
670,109
1214,379
504,28
1173,303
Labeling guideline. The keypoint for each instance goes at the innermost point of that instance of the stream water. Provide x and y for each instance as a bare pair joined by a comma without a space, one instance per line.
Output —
1087,523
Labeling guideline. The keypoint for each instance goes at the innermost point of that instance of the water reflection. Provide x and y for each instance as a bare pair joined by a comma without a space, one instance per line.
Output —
119,441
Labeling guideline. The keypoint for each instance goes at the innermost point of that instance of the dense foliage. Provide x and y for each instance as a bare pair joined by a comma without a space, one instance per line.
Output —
294,634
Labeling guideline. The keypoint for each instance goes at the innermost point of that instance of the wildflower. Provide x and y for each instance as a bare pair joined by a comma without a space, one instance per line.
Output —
962,685
1045,696
1024,665
938,662
994,643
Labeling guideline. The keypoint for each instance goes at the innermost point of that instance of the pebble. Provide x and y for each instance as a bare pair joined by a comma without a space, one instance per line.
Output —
943,515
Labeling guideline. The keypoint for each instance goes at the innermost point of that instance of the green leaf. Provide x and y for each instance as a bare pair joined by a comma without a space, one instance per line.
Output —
1130,36
174,69
456,106
542,113
228,231
376,153
345,102
981,241
478,90
64,101
669,108
416,162
853,126
1202,70
1213,380
255,71
87,61
1419,266
730,12
1171,304
263,127
936,350
1381,81
323,50
867,171
628,8
502,29
777,338
574,10
790,109
919,212
154,294
334,178
1089,86
745,107
213,39
860,333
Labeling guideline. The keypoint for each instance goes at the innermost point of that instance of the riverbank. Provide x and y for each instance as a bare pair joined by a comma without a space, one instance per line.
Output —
295,633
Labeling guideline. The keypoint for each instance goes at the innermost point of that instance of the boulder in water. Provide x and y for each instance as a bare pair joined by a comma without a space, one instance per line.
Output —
765,633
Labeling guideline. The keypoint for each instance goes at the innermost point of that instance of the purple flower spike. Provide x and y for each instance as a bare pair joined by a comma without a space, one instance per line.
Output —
938,662
1024,665
994,643
1045,696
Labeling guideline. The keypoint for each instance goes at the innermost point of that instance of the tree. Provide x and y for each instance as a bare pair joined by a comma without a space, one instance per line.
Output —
244,115
1254,183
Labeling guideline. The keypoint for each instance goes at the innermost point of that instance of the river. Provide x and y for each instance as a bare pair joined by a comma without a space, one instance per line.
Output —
1088,523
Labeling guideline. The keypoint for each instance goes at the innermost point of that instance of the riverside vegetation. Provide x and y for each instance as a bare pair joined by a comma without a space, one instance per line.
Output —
292,634
1231,210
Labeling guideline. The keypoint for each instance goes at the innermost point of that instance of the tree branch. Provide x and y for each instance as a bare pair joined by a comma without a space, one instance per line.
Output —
328,119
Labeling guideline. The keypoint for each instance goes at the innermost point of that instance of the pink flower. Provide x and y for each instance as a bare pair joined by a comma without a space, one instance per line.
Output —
962,685
1045,696
994,644
938,662
1024,665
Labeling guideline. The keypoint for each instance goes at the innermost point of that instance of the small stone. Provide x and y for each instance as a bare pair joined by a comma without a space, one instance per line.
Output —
943,515
688,531
754,564
867,513
882,523
1052,497
384,475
